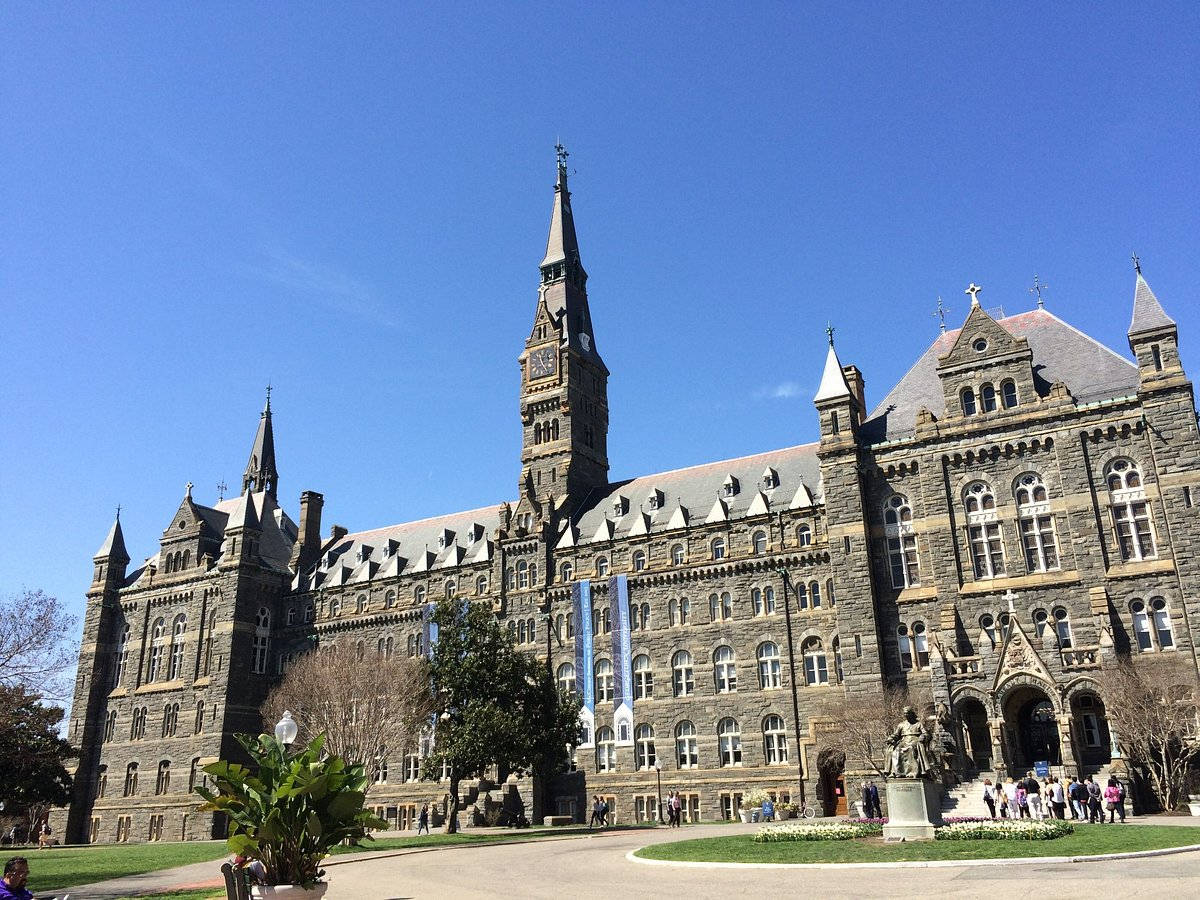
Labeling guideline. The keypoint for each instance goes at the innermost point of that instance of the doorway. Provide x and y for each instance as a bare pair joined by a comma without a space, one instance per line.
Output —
977,738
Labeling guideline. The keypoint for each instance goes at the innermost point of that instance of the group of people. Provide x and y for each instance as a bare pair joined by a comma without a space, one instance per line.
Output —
673,806
870,801
1027,798
599,812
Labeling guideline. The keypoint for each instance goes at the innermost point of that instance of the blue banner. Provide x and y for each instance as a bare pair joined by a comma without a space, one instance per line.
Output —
618,601
581,606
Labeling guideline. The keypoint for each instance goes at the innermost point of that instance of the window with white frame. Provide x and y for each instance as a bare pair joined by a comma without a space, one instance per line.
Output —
604,681
987,397
601,566
920,645
904,644
639,560
983,530
718,548
804,536
759,542
643,678
686,751
775,742
262,635
1130,510
685,611
1038,538
729,742
814,594
672,612
567,572
566,677
606,751
522,575
643,741
677,555
157,638
361,604
1040,620
175,666
1162,623
1062,627
412,767
768,665
816,667
1152,624
725,670
720,607
683,680
121,656
901,542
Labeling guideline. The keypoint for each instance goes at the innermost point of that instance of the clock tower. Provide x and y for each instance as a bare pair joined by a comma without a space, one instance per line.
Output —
564,382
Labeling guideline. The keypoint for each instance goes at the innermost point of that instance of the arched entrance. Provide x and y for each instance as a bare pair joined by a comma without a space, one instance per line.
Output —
1091,733
977,739
1031,726
832,784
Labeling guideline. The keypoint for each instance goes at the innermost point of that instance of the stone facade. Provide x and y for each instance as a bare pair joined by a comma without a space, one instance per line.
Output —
1017,512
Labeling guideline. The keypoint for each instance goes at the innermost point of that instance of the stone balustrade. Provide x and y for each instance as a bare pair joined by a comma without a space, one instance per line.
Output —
1081,657
963,667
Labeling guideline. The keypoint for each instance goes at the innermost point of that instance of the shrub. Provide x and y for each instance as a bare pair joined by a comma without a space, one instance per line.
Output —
1005,831
755,797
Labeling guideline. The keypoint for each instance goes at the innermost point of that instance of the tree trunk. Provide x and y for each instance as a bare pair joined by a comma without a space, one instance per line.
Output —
452,806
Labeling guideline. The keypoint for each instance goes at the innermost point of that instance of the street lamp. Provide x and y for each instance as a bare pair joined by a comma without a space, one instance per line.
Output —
787,616
286,729
658,777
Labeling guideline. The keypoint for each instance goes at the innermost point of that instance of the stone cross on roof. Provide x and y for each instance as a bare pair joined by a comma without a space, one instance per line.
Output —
974,290
1010,596
188,490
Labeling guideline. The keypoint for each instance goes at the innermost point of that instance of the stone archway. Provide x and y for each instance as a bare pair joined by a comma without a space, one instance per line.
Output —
831,785
1031,729
976,735
1089,721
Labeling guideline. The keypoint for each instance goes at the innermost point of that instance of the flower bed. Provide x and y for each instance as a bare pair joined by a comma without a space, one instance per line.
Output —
818,831
948,820
1005,831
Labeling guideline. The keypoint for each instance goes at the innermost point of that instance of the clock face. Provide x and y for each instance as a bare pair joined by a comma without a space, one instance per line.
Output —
542,362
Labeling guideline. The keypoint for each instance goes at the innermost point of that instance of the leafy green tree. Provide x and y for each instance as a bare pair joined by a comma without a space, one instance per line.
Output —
32,775
494,705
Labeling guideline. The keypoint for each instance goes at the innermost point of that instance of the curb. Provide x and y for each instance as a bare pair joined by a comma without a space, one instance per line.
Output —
915,864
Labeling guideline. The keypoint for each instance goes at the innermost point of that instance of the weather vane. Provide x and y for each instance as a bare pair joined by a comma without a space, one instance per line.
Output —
118,512
1137,263
1037,289
561,154
221,488
829,331
941,314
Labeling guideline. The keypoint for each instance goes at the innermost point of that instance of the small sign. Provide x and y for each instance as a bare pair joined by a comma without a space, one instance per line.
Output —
1041,768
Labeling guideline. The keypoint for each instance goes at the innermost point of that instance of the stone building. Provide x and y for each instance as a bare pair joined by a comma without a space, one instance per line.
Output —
1016,513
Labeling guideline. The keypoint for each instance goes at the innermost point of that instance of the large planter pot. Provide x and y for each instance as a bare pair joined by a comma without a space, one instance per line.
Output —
1194,807
288,891
745,814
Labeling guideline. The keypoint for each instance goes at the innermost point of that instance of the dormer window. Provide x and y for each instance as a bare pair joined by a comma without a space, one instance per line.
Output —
655,500
364,553
620,506
445,539
770,479
730,487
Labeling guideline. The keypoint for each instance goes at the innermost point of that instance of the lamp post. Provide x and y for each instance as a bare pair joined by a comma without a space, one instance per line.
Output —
285,732
787,616
658,777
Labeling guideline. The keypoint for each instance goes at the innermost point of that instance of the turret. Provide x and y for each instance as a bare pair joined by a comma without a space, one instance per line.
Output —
261,474
1153,338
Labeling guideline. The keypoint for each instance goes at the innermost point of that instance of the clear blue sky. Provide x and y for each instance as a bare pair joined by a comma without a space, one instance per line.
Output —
350,200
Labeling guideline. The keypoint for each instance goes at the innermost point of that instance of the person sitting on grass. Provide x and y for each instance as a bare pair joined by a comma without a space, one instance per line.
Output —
16,874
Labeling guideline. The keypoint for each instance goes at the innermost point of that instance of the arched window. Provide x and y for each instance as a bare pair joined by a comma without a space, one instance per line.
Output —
604,681
510,579
725,670
769,600
968,402
1130,510
983,531
1062,627
1005,625
110,726
389,599
360,649
121,656
360,604
682,676
102,783
759,542
560,622
291,616
729,742
335,607
756,601
170,720
987,398
801,595
814,594
901,542
262,633
481,585
921,645
643,739
837,659
522,575
639,560
643,678
308,612
131,779
162,784
601,566
175,667
1141,625
1037,524
768,665
1162,623
714,608
1008,393
677,555
533,575
672,613
987,626
718,548
1040,620
554,429
804,536
567,572
566,678
606,751
451,589
829,591
816,669
635,617
775,742
685,745
904,642
570,624
522,637
685,611
419,594
187,558
157,638
605,621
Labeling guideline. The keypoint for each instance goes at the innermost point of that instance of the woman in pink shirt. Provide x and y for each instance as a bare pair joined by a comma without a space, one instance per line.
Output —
1112,796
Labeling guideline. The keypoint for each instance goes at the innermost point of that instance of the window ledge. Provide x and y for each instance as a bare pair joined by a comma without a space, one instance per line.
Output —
1141,567
1016,582
915,594
118,692
158,687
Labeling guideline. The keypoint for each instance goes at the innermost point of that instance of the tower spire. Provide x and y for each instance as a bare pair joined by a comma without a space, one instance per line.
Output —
261,474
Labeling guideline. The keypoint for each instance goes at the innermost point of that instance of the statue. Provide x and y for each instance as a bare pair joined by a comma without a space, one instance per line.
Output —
910,752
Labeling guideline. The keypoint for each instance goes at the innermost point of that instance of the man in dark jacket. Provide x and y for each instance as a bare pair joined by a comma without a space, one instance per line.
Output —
16,874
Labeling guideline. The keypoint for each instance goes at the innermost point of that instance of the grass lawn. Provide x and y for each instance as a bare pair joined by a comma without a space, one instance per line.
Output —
65,866
1086,841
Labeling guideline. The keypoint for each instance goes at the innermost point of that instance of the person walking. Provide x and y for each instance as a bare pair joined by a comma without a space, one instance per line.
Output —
1112,795
1010,795
604,813
1033,798
1120,800
989,797
595,819
1075,794
677,809
423,819
1095,813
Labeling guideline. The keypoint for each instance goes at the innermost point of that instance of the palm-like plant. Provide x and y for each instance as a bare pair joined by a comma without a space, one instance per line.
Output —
292,810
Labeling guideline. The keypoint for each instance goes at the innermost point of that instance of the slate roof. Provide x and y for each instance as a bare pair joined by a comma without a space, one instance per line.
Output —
1148,313
833,379
1061,352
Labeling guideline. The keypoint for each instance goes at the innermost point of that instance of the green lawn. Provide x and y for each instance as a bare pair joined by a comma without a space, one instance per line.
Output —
1086,841
65,866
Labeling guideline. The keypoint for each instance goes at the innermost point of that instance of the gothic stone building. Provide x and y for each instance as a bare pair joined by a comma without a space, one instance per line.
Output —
1014,515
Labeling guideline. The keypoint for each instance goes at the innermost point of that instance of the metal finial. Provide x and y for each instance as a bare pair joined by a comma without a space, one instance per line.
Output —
829,332
1137,263
973,290
941,314
269,389
561,154
1037,289
221,488
118,512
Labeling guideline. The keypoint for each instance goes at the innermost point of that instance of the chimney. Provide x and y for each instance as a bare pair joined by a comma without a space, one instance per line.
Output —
858,387
308,541
337,532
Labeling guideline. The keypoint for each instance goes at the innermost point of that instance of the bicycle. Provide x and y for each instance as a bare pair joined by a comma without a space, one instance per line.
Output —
806,812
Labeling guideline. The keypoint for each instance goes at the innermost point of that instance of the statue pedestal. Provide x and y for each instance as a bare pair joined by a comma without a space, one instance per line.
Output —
914,808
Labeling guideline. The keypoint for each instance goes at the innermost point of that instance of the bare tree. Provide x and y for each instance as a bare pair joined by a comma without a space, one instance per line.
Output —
1152,706
858,727
368,705
36,646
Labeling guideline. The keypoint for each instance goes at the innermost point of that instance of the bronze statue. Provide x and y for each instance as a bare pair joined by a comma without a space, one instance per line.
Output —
910,753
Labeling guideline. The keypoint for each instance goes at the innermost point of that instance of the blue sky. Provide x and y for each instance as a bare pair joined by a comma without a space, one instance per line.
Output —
350,201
